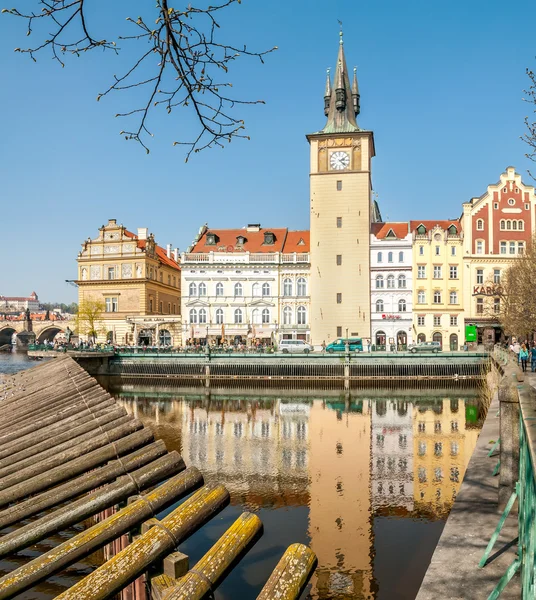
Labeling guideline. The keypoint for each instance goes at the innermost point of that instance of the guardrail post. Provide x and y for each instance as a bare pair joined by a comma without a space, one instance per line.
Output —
509,432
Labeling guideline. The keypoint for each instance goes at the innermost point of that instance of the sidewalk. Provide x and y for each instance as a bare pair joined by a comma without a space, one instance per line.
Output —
453,573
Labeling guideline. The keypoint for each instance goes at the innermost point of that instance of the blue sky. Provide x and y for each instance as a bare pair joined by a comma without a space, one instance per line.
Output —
441,86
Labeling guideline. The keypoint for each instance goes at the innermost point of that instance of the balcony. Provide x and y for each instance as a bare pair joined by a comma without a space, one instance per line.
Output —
245,258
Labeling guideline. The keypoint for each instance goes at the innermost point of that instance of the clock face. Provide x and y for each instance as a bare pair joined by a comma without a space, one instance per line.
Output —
339,160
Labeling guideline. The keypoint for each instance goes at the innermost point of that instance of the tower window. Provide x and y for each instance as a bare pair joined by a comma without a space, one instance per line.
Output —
339,331
339,222
339,260
339,185
339,298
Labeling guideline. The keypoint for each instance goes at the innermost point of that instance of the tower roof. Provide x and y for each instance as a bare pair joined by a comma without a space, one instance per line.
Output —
342,108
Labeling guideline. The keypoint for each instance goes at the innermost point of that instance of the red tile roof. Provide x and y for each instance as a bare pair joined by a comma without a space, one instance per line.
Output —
297,241
226,241
430,224
161,253
380,230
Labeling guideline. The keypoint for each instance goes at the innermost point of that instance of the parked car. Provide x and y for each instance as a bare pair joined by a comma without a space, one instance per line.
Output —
425,347
294,346
339,345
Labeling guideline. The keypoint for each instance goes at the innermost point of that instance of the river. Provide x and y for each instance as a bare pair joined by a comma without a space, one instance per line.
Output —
367,481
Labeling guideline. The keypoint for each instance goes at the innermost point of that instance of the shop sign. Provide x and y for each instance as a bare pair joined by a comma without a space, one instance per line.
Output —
487,290
391,317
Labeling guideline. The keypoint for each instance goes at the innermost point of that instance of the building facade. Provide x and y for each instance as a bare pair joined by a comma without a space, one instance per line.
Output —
246,285
498,226
341,210
438,282
138,283
19,302
391,282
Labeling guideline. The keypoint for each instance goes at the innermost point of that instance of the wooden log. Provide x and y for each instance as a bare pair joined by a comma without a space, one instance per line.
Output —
291,574
67,470
97,536
86,482
62,441
63,457
92,504
134,560
201,581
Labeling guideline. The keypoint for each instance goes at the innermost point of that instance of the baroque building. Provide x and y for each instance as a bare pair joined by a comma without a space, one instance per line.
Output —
30,302
341,211
137,281
391,275
498,226
437,290
245,284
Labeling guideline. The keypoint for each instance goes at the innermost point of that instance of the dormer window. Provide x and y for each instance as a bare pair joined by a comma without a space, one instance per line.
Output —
269,238
212,239
453,230
390,234
421,230
240,240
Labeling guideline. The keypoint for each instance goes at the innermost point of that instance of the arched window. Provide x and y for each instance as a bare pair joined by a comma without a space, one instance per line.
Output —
514,225
287,315
256,316
202,315
265,316
421,337
380,338
480,225
520,225
453,298
287,287
193,315
401,306
402,282
453,342
219,316
502,225
379,306
302,315
400,257
380,257
238,290
421,298
508,224
379,282
438,337
192,289
266,289
238,316
390,257
256,289
202,289
302,287
390,281
219,289
164,337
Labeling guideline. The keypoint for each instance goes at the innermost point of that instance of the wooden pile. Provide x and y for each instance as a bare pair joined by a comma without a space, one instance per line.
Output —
69,452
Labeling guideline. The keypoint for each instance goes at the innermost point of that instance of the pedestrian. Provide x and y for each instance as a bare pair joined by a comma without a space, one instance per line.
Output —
523,357
533,358
324,346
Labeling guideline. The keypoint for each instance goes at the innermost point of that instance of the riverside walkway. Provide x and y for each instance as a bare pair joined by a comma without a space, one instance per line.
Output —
69,452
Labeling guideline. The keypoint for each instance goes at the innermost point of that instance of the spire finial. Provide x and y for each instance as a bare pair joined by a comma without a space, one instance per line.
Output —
341,42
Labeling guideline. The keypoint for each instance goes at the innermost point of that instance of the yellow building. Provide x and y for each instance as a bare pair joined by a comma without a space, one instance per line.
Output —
138,283
442,447
341,213
437,282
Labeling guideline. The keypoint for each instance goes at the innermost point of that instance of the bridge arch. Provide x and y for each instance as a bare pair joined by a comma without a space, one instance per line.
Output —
48,334
6,334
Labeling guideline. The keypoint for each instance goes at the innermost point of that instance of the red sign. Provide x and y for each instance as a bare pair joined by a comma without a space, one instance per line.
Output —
483,290
391,317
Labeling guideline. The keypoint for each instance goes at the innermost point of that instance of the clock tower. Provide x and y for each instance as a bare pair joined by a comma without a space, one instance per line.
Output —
342,210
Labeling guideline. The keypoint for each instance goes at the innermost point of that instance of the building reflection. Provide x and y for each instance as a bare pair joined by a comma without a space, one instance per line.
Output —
346,459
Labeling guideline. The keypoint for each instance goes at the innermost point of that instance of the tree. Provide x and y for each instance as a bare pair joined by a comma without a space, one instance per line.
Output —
179,61
89,318
530,136
517,313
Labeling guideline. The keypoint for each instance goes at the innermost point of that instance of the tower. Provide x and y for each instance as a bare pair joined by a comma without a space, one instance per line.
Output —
341,213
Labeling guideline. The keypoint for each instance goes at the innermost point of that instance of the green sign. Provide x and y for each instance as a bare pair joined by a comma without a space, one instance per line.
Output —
471,333
471,413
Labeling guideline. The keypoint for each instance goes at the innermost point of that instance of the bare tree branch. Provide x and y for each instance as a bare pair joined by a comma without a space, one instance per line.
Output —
530,136
187,72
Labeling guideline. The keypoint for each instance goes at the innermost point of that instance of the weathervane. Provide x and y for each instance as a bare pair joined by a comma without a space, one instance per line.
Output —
340,33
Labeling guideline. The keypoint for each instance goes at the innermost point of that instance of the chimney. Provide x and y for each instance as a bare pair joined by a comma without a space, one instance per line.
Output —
143,232
176,255
112,221
168,250
253,227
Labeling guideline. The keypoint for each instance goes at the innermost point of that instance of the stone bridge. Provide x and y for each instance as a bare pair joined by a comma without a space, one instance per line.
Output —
43,330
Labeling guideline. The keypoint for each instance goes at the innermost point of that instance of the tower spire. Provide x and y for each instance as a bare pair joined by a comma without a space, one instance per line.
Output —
355,93
327,94
341,107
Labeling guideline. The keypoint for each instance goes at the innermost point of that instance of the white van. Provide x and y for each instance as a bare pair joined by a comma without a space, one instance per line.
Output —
294,346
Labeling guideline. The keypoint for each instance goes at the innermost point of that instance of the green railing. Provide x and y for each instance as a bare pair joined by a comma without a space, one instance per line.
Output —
48,348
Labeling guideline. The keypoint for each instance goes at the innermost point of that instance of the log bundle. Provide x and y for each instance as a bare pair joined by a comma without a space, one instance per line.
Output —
68,452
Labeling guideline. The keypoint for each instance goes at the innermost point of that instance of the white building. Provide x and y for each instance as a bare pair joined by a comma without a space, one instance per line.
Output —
245,284
20,302
391,285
